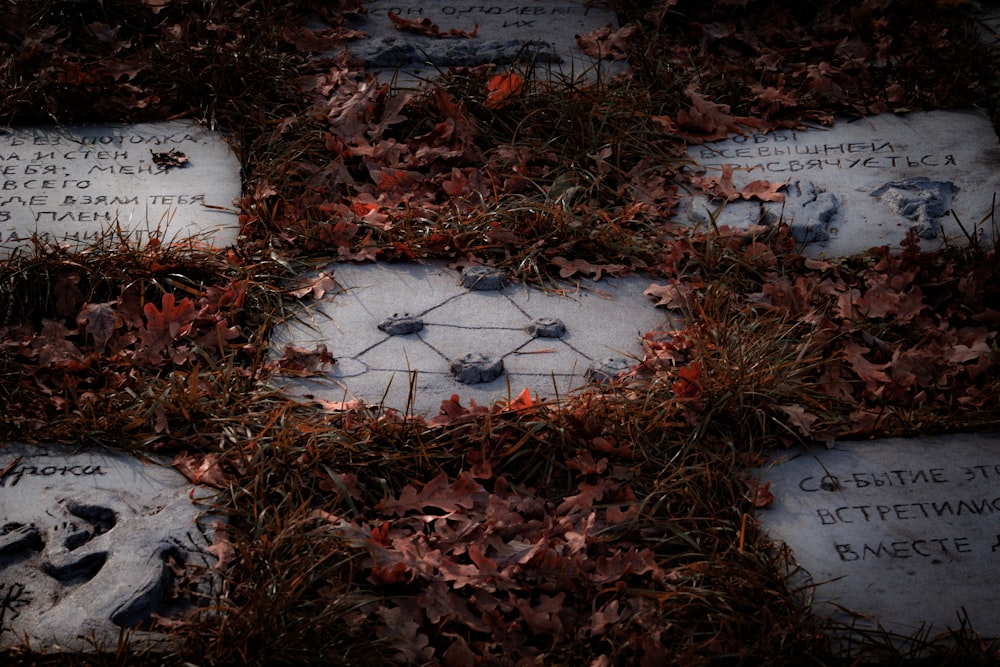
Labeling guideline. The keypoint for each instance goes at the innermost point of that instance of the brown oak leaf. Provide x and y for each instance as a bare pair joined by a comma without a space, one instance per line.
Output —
608,43
203,469
674,295
317,286
165,324
428,28
569,267
100,322
710,121
300,361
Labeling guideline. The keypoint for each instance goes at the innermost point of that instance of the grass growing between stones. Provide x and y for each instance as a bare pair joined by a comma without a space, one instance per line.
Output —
610,527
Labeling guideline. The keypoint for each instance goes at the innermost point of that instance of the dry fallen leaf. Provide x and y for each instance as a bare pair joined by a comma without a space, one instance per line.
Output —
427,28
302,362
608,43
317,286
501,88
171,158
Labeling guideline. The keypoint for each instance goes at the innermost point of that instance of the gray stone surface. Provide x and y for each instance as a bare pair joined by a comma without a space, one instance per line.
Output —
70,185
93,543
600,320
989,25
865,183
508,31
904,533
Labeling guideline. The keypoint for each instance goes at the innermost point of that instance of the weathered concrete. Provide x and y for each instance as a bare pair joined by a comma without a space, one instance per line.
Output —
169,181
862,184
902,535
94,543
515,327
502,32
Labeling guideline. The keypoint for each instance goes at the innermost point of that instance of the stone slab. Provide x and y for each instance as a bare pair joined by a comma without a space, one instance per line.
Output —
509,31
71,185
865,183
91,544
604,319
988,19
903,533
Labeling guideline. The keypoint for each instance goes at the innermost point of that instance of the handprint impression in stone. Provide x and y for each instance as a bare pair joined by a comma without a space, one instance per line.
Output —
72,553
73,556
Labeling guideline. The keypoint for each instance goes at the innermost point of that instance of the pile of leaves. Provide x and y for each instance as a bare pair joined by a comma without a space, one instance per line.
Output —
87,333
613,527
888,343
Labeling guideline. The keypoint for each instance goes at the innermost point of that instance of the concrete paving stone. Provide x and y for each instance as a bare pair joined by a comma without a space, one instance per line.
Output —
89,541
602,319
506,31
864,183
456,341
71,185
989,25
493,309
546,356
412,350
901,534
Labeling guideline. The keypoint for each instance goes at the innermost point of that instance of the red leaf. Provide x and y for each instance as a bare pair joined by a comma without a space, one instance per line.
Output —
688,382
501,88
399,573
520,402
426,27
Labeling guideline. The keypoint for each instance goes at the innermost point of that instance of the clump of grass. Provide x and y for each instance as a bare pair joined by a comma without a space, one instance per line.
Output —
68,383
748,366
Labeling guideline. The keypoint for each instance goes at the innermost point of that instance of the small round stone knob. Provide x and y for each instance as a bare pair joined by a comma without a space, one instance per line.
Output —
476,368
399,324
483,279
546,327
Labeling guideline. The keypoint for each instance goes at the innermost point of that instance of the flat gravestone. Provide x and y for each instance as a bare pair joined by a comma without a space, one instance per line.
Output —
470,334
168,181
93,544
862,184
902,535
502,32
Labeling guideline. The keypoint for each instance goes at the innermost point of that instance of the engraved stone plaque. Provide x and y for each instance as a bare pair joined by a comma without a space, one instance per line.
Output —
482,345
168,181
864,183
501,32
900,534
93,544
